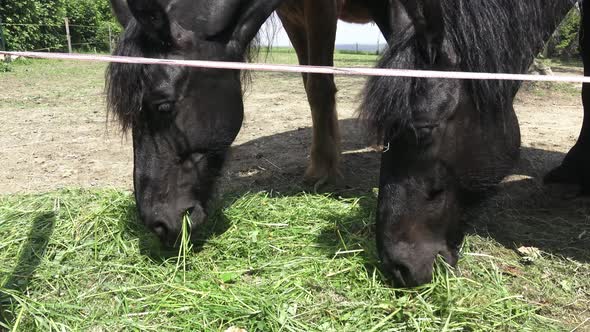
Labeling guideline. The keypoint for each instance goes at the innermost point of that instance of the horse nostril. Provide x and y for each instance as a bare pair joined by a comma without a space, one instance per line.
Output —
197,215
451,256
403,275
425,134
399,273
160,229
434,194
189,211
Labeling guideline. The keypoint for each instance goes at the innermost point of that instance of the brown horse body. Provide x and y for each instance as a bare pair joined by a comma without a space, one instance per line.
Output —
311,27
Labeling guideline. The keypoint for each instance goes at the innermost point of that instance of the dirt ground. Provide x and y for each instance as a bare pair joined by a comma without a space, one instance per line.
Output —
60,138
65,142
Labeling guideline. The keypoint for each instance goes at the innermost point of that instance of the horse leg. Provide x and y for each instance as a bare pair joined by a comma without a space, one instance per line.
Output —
321,18
298,37
314,44
575,168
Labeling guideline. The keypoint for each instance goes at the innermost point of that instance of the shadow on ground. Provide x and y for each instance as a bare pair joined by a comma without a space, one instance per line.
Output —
278,163
29,259
522,211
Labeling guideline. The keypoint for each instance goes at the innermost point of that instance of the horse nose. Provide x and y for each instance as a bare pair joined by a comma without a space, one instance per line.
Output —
160,228
407,274
425,133
161,222
168,224
165,230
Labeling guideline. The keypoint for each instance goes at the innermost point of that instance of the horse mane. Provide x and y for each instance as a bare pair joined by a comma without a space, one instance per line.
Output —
124,88
123,84
497,36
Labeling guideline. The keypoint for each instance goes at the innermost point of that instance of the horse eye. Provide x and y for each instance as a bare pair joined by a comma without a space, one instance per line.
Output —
196,158
193,159
165,107
434,194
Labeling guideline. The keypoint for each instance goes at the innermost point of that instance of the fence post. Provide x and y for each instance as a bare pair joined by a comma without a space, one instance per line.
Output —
2,42
378,46
68,35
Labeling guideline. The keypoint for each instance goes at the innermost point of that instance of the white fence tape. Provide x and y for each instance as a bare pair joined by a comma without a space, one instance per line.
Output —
304,69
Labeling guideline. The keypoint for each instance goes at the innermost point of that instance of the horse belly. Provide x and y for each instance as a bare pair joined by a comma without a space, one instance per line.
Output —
355,11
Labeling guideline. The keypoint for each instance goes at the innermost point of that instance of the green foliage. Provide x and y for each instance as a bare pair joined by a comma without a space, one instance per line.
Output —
90,21
39,24
47,16
569,31
565,43
5,67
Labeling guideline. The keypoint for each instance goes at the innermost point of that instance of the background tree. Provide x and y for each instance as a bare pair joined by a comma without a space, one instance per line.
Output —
39,24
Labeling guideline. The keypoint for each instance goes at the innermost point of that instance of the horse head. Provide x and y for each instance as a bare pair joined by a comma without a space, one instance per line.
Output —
447,140
183,120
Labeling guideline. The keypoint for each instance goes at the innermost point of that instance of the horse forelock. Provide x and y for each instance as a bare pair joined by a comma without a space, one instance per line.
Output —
124,88
383,94
497,36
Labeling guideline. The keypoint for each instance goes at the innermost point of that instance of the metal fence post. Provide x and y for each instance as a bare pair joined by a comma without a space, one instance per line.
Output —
68,35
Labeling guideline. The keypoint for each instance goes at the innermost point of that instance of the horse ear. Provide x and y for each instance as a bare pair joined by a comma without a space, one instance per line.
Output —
221,16
152,18
121,11
432,32
254,14
426,16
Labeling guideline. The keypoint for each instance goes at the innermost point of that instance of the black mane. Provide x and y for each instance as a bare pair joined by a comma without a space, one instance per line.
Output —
498,36
123,80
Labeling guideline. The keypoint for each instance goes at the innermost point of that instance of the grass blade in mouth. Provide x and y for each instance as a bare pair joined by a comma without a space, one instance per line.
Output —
185,245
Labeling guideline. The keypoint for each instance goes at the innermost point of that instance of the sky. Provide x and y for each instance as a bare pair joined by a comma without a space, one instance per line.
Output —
347,33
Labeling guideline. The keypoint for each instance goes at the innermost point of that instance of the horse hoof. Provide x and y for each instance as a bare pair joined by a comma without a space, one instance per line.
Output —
319,181
562,175
569,176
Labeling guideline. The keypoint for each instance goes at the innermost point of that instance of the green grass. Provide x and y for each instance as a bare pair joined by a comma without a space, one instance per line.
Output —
341,59
78,260
31,84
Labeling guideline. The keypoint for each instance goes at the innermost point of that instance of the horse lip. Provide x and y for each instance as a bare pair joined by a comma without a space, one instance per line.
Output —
426,125
394,272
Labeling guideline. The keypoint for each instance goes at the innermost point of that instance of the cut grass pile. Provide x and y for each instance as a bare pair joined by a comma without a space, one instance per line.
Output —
78,260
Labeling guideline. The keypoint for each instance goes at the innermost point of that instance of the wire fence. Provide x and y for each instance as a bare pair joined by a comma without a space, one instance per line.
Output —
68,37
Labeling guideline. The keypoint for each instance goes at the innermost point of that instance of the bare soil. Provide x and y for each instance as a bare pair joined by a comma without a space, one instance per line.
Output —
55,134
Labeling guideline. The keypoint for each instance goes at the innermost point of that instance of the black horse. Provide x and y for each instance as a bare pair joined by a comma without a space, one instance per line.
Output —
183,120
447,140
